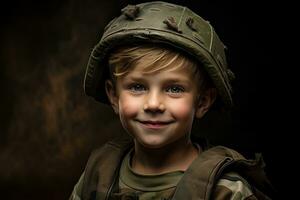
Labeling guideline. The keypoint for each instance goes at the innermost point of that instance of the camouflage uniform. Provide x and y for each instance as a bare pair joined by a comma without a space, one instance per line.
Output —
216,174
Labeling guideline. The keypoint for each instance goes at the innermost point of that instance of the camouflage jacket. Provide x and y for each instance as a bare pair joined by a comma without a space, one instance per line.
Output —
219,173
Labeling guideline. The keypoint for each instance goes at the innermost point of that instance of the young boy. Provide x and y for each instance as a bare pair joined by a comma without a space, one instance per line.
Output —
160,65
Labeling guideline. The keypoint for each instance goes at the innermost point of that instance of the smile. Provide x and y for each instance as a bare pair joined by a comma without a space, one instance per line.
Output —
155,124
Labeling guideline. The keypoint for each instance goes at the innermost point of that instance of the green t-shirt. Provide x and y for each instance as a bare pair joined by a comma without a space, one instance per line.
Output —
156,187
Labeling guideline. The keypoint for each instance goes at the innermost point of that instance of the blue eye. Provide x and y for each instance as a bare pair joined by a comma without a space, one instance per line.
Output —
137,88
175,89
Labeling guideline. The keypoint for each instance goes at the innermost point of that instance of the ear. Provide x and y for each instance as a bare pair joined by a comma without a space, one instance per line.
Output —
112,95
205,102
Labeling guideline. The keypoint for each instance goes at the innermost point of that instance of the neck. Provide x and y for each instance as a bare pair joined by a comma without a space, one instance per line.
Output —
173,157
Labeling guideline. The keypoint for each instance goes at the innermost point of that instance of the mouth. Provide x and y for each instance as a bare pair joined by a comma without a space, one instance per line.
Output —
155,124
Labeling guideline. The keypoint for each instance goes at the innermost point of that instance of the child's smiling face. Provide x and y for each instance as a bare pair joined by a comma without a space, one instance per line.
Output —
157,109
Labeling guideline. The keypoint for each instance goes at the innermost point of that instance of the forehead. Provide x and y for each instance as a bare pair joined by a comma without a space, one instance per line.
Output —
171,72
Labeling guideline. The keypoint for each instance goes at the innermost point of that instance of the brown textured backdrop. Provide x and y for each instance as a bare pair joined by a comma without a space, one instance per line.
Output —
48,126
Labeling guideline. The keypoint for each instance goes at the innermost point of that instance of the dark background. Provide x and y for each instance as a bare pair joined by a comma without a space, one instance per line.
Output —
49,127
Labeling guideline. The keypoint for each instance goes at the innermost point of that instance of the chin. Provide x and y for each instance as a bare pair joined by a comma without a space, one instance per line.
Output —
154,144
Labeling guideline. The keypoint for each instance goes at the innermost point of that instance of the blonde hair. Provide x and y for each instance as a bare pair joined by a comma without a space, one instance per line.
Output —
155,59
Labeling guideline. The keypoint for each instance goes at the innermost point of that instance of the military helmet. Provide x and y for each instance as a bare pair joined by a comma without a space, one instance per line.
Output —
160,23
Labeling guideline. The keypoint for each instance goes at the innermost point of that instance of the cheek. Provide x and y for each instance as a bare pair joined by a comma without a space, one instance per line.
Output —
183,109
128,107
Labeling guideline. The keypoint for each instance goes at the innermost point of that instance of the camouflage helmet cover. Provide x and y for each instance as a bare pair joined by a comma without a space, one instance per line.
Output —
164,23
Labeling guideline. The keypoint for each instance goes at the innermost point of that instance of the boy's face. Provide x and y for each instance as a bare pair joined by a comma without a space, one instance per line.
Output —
157,109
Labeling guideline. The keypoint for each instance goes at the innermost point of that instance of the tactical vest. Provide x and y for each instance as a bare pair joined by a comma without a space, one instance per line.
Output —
101,173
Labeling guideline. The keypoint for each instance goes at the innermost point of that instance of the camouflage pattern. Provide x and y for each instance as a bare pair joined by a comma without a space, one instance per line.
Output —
163,186
198,182
233,187
230,187
161,23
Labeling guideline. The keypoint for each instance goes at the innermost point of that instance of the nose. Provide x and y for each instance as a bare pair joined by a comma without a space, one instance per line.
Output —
154,102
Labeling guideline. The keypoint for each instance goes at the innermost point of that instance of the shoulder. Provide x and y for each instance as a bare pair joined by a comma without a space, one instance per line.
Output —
76,193
97,171
232,186
109,151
